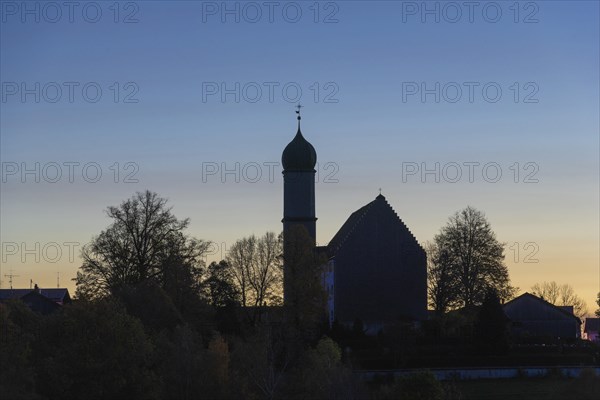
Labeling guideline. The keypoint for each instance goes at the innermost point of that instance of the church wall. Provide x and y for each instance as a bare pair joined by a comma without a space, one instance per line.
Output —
380,271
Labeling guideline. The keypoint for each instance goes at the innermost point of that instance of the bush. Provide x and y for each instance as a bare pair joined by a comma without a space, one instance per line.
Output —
419,386
94,351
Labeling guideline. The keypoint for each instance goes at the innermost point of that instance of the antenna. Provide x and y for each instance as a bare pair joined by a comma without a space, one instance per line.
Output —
10,277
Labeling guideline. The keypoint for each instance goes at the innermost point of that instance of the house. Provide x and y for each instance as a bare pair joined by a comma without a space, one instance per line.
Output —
592,329
43,301
532,316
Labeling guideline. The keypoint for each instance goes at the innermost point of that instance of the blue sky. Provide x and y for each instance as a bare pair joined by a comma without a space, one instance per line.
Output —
354,75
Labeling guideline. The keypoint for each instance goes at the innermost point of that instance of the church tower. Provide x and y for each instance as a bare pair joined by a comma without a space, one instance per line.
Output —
299,159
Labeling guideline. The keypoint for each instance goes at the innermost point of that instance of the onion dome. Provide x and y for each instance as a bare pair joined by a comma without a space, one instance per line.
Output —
299,154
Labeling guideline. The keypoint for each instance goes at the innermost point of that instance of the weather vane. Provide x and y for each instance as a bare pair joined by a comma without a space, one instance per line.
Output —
299,106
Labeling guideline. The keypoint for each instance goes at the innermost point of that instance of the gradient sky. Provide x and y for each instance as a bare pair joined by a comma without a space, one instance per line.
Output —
363,57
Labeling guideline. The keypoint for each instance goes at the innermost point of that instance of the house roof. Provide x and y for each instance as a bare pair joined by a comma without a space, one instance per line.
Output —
56,294
592,325
568,309
7,294
561,309
40,303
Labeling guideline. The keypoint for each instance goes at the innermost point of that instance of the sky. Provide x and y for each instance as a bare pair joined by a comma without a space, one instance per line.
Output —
440,105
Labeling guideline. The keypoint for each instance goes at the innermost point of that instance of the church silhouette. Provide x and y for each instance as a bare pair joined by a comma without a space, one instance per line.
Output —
376,270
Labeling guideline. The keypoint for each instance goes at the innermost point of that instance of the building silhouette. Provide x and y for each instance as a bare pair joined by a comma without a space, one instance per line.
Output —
533,317
377,271
43,301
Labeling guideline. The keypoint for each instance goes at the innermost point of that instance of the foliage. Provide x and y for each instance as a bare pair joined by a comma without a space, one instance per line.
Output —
151,305
18,328
442,282
188,370
260,363
95,351
491,327
144,242
321,375
419,386
469,260
220,286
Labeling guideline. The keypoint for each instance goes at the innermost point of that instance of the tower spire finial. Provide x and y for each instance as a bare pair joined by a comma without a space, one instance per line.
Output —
299,106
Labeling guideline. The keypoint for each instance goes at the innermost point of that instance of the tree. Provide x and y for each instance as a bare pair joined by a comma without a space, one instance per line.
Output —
421,385
95,351
267,277
474,257
442,279
256,268
19,327
144,242
259,363
240,257
560,295
220,285
491,326
320,374
549,291
187,369
149,303
598,302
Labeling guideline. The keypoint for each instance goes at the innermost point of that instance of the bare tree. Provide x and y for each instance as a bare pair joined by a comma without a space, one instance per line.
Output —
145,242
256,268
473,253
241,257
266,279
561,295
549,291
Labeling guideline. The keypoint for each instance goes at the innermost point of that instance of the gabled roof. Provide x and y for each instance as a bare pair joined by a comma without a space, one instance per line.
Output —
543,302
56,294
40,303
7,294
592,325
348,227
354,220
568,309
